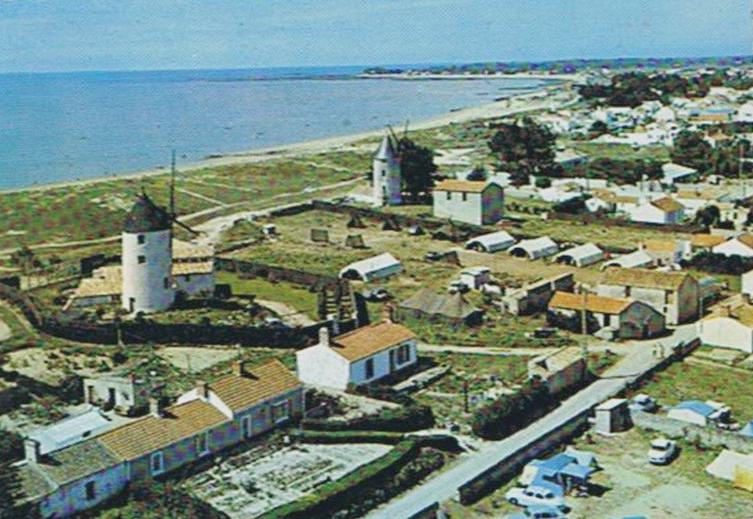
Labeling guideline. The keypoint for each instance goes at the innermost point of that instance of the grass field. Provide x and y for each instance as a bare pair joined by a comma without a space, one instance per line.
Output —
292,295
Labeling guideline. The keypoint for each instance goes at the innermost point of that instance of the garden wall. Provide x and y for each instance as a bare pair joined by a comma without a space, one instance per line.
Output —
691,432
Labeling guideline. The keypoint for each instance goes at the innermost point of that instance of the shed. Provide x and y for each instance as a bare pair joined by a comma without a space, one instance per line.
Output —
580,256
535,248
696,412
71,430
475,277
675,172
376,267
612,415
492,242
639,258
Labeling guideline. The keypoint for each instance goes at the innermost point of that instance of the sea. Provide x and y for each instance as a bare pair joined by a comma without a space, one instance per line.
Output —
57,127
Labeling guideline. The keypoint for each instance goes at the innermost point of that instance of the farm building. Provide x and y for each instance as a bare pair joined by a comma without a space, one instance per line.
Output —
492,242
475,277
535,248
662,211
535,297
376,267
474,202
699,413
580,256
705,242
126,395
666,252
636,259
362,356
449,308
673,173
674,294
729,326
619,318
561,370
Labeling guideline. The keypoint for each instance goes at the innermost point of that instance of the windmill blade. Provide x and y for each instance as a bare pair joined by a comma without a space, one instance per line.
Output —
186,227
393,134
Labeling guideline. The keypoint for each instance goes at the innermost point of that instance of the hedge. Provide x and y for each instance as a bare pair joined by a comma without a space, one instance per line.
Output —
348,437
402,419
335,495
510,413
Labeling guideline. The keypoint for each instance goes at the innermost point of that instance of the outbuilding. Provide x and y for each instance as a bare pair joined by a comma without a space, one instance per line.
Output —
376,267
637,259
492,242
699,413
474,202
739,246
580,256
677,173
728,327
535,248
475,277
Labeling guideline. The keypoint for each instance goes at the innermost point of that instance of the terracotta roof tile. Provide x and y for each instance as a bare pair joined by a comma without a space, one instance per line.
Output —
594,303
468,186
668,205
746,239
706,240
660,245
192,267
371,339
151,433
257,384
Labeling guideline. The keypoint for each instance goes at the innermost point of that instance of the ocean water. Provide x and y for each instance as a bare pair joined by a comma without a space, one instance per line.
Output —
60,127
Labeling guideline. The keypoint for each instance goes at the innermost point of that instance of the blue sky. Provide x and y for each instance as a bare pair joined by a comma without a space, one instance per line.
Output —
59,35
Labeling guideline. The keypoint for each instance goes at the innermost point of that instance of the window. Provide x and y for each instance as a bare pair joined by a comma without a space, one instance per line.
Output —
91,491
449,195
607,320
157,463
202,444
246,426
369,366
403,354
668,297
627,291
465,197
280,412
142,259
141,239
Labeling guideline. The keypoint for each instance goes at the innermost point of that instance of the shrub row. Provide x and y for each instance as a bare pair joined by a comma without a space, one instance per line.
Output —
719,263
412,417
391,438
337,494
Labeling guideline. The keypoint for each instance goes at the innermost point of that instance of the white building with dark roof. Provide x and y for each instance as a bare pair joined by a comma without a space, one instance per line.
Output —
386,176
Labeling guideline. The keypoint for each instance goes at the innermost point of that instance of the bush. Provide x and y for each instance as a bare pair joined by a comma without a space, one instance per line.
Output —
11,446
510,413
412,417
719,263
387,437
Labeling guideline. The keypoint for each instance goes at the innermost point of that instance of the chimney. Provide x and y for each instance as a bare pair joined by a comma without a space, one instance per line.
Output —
238,368
202,389
324,336
388,313
155,407
32,450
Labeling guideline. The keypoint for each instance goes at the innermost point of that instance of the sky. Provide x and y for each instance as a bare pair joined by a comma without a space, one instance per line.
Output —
72,35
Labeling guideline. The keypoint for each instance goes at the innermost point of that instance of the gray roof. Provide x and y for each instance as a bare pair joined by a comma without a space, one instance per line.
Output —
71,430
146,216
77,461
429,302
386,150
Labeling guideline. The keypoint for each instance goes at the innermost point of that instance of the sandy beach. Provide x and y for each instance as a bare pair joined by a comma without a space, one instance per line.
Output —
516,103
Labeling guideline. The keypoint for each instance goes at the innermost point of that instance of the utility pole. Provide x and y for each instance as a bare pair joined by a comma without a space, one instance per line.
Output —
466,406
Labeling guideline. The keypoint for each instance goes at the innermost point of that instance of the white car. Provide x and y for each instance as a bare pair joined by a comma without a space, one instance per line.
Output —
662,451
535,495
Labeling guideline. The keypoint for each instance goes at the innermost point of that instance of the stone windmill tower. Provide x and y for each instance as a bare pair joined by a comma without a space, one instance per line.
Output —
386,177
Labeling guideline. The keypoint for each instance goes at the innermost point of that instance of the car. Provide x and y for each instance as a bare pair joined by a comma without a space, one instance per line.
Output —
433,256
662,451
376,294
538,512
535,495
274,322
643,402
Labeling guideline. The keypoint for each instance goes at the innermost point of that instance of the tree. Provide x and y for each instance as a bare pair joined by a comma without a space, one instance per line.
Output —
523,149
477,173
691,150
416,167
11,449
543,182
597,129
708,216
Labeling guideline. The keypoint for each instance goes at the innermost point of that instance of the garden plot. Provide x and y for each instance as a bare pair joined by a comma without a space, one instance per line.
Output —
262,479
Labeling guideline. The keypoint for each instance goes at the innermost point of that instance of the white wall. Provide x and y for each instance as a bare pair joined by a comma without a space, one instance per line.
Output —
747,283
726,332
733,248
145,282
71,498
468,210
320,366
387,181
381,365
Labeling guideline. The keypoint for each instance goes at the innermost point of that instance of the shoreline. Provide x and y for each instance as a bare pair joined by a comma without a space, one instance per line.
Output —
491,110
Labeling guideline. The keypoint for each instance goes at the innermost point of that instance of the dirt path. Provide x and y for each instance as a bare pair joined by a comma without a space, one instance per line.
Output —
287,313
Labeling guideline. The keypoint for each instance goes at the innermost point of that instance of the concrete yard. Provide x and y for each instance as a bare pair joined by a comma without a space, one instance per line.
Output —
259,480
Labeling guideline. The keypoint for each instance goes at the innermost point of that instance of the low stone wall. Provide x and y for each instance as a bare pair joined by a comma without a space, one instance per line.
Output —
691,432
262,270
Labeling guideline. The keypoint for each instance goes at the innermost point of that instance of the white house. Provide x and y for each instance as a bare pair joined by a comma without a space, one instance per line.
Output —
474,202
729,327
664,211
580,256
535,248
475,277
676,172
376,267
492,242
386,175
359,357
741,245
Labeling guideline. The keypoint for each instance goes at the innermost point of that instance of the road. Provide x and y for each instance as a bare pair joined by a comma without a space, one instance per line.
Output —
638,360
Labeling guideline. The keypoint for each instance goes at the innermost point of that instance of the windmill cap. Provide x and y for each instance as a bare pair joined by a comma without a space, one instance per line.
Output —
146,216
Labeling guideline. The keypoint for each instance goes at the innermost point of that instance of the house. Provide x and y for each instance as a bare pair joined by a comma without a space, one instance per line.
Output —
127,395
561,370
202,422
474,202
450,308
534,298
360,357
673,173
491,242
636,259
666,252
535,248
728,326
705,242
370,269
661,211
741,245
580,256
674,294
475,277
617,318
699,413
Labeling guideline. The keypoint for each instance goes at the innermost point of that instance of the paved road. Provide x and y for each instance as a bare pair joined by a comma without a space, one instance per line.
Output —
444,486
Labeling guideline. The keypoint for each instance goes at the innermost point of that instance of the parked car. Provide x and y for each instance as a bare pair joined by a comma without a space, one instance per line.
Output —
538,512
645,403
662,451
274,322
376,294
535,495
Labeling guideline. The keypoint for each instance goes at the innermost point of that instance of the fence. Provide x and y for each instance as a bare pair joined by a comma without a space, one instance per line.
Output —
262,270
705,435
